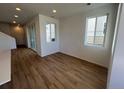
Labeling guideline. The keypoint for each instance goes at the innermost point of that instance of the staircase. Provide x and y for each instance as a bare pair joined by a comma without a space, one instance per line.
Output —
6,44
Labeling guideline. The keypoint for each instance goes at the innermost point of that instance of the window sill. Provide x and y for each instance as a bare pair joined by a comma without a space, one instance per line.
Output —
95,46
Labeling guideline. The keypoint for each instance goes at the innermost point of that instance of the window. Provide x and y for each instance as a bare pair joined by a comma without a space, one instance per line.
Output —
96,30
50,32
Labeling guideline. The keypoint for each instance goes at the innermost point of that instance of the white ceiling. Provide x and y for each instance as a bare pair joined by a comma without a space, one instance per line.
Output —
7,11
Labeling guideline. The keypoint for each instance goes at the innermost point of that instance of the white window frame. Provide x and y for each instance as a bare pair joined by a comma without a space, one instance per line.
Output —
85,39
50,32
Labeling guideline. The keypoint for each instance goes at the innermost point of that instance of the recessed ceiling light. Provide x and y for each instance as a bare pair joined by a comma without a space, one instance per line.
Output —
18,9
54,11
16,16
14,22
88,3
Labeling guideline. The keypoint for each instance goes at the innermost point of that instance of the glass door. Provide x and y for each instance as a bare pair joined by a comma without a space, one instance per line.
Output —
32,36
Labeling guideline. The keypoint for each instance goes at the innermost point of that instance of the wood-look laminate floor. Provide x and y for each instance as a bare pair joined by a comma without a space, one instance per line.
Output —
54,71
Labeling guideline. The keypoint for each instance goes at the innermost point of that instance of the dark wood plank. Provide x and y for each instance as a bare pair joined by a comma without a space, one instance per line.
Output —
58,70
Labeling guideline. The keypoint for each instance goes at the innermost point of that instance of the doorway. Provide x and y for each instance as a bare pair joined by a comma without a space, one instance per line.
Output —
32,36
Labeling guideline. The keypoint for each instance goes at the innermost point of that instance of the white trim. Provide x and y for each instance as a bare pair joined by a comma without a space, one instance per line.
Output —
1,83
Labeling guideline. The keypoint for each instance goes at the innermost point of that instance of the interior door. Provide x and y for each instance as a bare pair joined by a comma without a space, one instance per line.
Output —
32,36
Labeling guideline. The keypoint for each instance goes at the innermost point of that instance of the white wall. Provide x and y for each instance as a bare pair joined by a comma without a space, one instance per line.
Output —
14,31
5,66
5,28
116,77
6,44
18,33
51,47
72,33
42,47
